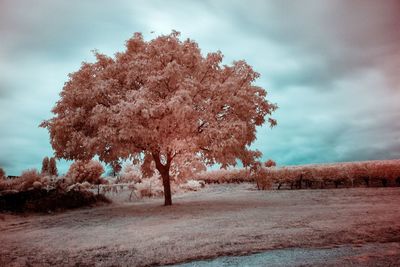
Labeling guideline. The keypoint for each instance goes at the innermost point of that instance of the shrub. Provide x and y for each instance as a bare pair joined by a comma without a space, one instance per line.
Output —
263,179
24,182
41,200
85,171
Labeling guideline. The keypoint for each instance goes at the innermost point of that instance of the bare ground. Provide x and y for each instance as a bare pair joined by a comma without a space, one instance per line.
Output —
220,220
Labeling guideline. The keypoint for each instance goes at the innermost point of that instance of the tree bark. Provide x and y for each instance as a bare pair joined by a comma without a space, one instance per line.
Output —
167,188
366,180
164,171
301,180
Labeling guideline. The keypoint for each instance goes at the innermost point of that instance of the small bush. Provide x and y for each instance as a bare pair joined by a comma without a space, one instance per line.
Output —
22,183
28,178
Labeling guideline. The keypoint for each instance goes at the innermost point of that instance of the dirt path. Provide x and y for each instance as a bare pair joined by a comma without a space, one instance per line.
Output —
220,220
370,254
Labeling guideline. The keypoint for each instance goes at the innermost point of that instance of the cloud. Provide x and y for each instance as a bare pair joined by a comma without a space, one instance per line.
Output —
356,121
324,40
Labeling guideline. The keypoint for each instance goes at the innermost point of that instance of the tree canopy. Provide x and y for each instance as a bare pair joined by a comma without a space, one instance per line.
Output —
156,100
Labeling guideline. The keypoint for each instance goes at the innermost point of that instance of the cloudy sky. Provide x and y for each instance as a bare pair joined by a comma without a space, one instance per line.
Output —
332,66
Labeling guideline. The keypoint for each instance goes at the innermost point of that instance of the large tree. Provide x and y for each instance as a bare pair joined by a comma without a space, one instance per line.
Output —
156,100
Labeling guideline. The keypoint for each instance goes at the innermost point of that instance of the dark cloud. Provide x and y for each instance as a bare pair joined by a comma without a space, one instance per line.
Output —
60,30
327,39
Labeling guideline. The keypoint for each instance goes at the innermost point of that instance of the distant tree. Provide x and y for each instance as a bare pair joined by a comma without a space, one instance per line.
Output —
86,171
156,100
45,166
53,167
270,163
2,174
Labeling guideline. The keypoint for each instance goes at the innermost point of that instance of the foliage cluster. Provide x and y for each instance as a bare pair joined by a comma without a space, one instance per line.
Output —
85,171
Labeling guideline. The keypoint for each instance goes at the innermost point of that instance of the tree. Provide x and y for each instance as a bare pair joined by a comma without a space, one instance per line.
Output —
53,167
85,171
156,100
2,174
45,166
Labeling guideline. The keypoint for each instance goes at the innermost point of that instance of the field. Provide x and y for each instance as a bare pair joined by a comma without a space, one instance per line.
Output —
221,219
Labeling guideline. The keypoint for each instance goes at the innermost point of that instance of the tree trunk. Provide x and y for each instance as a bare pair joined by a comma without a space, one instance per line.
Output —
167,188
366,180
336,184
300,181
164,171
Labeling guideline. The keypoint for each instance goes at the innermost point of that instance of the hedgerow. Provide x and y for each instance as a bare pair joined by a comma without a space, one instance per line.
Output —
370,173
349,174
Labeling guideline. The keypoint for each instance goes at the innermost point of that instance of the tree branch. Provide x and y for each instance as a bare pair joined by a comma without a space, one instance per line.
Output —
205,149
199,128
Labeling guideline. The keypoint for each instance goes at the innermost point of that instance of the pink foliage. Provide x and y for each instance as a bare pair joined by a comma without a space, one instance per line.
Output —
130,174
2,174
85,171
270,163
53,167
45,166
186,166
160,98
26,181
49,167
